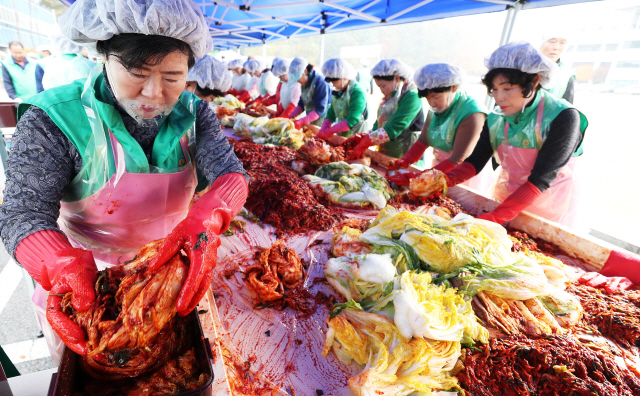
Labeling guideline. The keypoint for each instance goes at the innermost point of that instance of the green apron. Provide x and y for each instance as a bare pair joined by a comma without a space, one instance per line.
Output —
24,80
562,80
395,148
443,127
341,109
307,99
72,112
523,133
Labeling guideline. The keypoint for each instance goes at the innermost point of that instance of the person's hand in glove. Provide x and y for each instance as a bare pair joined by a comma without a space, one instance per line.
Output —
198,234
75,271
411,157
289,111
327,130
363,141
255,102
60,268
403,179
610,284
244,96
515,203
309,118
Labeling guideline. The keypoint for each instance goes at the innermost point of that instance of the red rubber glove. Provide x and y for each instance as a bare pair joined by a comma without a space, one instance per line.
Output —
297,110
363,142
270,100
244,96
444,166
326,133
411,157
403,179
198,234
278,112
75,271
309,118
257,101
286,113
59,268
611,284
515,203
460,174
622,263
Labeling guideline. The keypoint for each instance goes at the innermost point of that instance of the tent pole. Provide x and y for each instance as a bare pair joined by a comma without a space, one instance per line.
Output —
321,50
504,38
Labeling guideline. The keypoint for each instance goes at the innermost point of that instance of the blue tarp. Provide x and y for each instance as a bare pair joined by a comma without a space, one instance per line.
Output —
255,22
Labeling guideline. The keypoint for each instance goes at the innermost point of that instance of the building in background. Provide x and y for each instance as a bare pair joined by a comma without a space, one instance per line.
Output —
609,58
25,21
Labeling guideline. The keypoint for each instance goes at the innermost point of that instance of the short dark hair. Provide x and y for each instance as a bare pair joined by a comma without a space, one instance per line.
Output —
387,78
422,93
515,77
15,43
207,91
309,68
135,50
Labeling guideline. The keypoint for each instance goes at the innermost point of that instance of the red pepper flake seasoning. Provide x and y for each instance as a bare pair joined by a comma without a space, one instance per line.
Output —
544,366
526,242
255,155
616,315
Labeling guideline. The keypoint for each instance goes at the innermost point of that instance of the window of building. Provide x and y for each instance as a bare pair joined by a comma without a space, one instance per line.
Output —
629,64
611,47
589,47
632,44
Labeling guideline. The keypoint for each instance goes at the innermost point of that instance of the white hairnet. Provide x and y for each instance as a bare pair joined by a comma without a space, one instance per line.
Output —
557,33
525,57
281,67
338,68
236,64
392,67
227,81
208,73
89,20
253,65
65,45
364,62
44,47
438,75
296,68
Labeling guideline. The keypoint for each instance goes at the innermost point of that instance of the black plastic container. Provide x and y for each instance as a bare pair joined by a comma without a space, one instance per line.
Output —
62,382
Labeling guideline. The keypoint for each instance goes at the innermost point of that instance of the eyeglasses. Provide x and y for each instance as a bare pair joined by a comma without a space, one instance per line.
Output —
330,80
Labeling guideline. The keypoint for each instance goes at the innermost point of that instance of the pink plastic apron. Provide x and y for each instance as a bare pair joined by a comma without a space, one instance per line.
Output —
131,210
558,202
481,182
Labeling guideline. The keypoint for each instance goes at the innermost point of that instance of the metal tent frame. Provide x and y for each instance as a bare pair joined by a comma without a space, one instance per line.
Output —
238,23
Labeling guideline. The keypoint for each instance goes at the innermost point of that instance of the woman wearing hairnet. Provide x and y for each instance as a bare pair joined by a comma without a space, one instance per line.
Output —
266,85
287,96
347,111
240,77
453,125
400,118
564,85
315,96
536,137
114,158
208,79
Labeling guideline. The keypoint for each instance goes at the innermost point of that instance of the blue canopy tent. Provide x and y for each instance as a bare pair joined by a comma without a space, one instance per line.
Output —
237,23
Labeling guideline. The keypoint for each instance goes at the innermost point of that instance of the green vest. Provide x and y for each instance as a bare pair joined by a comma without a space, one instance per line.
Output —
562,80
64,106
523,133
341,109
24,80
443,127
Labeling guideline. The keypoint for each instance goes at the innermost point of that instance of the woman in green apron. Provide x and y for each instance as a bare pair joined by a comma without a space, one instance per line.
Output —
348,108
400,118
564,84
453,125
101,167
315,96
